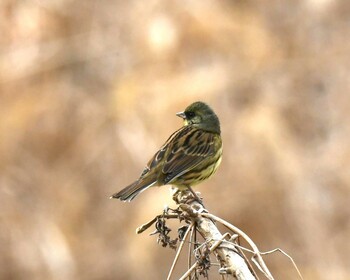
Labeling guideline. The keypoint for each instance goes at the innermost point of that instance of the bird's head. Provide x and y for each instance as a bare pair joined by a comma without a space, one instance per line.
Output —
200,115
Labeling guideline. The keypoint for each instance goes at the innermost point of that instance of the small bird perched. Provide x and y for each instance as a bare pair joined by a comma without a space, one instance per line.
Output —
191,155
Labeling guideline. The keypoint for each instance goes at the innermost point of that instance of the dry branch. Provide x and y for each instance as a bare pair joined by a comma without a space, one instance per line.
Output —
226,248
230,259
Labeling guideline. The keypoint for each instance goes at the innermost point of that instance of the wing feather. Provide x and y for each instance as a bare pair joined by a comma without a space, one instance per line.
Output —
186,151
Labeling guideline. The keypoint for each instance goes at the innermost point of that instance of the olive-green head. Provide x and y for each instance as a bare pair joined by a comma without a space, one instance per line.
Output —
200,115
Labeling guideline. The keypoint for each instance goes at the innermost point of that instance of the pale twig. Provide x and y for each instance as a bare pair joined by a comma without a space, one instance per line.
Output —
188,272
257,254
266,253
212,248
193,232
238,247
288,256
231,261
179,251
145,226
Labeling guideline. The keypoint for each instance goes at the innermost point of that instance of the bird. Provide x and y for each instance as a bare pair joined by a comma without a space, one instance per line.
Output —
191,154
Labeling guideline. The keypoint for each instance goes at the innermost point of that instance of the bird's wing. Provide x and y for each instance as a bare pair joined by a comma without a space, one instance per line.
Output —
156,160
184,150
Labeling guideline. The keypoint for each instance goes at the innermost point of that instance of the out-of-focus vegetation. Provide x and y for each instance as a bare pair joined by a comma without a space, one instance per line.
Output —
89,91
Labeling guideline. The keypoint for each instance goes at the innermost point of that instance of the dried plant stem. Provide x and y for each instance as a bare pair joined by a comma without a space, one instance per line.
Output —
145,226
289,257
179,250
190,244
212,248
256,251
232,263
226,247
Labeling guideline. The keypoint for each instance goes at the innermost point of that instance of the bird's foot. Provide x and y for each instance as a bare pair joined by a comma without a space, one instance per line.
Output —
185,196
196,196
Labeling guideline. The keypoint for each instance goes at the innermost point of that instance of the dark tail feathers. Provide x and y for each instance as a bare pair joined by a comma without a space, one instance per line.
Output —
131,191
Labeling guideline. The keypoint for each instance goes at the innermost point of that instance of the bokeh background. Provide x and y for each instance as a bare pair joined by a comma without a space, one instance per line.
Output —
89,91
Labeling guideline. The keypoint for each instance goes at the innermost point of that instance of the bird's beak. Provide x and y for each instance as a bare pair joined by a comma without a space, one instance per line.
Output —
181,115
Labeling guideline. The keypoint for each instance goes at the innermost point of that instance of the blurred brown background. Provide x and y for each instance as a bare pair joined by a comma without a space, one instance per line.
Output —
89,90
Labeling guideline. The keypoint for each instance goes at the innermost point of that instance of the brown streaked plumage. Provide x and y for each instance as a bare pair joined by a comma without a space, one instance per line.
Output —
190,155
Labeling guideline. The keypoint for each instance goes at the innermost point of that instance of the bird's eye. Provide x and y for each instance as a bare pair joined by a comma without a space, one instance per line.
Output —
190,114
